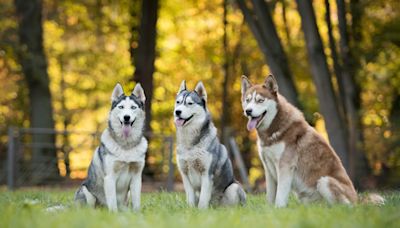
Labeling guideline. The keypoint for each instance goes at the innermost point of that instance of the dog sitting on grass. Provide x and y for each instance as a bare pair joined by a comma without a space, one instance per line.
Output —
117,164
203,161
295,157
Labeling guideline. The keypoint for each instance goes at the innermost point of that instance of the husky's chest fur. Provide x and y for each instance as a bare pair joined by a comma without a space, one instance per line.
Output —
206,170
272,158
117,164
194,163
118,153
295,157
123,163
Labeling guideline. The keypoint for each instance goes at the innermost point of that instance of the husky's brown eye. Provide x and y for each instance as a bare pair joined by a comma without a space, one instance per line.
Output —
248,99
190,103
178,102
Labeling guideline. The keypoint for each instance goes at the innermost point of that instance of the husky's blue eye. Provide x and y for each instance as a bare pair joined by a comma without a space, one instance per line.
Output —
121,107
133,107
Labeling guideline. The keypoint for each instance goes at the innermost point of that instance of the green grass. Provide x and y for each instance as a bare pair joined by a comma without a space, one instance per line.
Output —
28,209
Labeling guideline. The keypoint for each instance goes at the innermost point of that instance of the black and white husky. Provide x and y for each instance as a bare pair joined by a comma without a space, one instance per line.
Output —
117,164
202,160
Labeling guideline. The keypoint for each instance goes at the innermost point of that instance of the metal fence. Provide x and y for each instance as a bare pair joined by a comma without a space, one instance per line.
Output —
37,156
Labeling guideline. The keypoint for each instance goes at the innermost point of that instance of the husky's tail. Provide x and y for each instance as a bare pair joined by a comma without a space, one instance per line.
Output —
372,198
80,197
242,196
234,195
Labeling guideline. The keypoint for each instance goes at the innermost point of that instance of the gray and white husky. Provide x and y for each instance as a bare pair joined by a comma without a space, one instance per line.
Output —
203,161
117,164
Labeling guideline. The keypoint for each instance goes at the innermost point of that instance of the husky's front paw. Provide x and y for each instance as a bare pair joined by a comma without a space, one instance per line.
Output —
270,200
280,204
136,207
191,204
136,203
113,209
203,205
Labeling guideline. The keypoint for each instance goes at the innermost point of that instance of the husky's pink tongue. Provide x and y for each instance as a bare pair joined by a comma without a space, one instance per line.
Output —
126,130
179,122
252,123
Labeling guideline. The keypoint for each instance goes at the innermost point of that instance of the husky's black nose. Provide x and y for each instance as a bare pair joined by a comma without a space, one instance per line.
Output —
127,118
178,112
249,111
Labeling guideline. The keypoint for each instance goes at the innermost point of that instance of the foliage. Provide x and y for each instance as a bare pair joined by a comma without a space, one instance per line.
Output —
14,95
380,79
87,46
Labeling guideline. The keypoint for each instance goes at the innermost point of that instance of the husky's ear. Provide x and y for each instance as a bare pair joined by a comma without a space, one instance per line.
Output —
139,92
201,90
117,92
271,84
245,84
182,87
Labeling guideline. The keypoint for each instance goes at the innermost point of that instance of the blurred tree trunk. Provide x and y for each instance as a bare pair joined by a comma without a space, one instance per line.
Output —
143,56
356,11
337,68
358,165
225,103
134,11
34,66
247,143
237,64
285,22
66,117
322,80
263,28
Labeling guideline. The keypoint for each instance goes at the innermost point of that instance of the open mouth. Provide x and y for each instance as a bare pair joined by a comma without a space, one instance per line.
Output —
127,127
181,121
254,122
127,123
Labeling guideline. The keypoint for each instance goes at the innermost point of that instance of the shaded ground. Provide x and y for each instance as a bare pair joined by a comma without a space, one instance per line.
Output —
27,208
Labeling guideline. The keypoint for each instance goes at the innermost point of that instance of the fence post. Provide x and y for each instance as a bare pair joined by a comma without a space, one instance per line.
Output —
170,179
11,153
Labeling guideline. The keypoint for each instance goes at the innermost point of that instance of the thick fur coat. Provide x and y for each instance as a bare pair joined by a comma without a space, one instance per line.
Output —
295,157
115,173
203,161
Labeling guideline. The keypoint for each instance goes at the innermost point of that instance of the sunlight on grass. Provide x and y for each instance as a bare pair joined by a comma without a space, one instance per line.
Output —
28,209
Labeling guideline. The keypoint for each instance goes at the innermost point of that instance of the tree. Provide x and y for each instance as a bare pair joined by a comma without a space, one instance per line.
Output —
337,68
34,66
285,21
144,55
322,80
357,159
263,28
348,93
225,105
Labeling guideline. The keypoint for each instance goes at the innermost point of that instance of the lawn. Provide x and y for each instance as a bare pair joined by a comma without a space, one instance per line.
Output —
27,208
